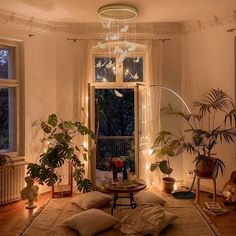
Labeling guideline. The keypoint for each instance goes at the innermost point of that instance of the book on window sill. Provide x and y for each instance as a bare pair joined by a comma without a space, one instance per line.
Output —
223,211
213,206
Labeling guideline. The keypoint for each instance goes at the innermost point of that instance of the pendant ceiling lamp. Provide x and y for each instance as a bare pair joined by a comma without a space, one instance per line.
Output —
115,37
117,12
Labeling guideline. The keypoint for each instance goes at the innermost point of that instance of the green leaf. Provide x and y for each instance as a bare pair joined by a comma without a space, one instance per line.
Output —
46,128
85,156
164,167
52,120
84,185
154,166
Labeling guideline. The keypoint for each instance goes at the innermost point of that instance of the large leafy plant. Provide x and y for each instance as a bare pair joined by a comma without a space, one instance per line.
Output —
164,149
211,122
60,137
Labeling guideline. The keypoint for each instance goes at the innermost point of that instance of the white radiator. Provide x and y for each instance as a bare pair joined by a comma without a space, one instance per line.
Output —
11,182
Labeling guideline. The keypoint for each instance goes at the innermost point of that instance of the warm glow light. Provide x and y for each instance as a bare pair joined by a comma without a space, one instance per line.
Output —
104,79
44,150
85,144
146,166
86,98
48,142
150,152
175,186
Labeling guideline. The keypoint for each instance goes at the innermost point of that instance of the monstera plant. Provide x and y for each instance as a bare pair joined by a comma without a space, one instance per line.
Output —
61,141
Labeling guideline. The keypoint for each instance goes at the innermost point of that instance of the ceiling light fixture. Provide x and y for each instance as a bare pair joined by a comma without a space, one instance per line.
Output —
115,38
118,12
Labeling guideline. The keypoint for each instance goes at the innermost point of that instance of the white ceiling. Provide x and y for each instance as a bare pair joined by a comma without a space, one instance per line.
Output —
149,10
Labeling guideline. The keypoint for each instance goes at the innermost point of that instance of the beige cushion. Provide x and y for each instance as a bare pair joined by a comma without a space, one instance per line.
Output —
90,222
143,220
168,219
146,219
145,197
93,199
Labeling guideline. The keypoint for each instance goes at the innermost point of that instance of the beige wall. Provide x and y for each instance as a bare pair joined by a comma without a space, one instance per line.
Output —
39,66
208,62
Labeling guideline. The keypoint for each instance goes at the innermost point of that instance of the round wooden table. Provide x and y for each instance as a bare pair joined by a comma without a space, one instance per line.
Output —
128,188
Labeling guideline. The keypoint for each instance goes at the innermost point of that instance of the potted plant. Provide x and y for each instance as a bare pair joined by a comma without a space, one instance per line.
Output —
164,150
209,124
61,146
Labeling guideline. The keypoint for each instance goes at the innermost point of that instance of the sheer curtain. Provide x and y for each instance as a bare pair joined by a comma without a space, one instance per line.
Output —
153,75
81,82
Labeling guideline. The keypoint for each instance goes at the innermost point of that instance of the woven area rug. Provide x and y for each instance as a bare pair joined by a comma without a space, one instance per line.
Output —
48,221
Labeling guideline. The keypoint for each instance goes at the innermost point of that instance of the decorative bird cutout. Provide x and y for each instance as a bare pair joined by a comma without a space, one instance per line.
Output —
99,64
132,47
106,24
100,45
118,94
135,77
136,60
114,37
99,77
118,50
122,56
124,29
110,64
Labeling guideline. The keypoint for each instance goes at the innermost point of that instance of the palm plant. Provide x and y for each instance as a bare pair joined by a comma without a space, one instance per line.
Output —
213,121
59,137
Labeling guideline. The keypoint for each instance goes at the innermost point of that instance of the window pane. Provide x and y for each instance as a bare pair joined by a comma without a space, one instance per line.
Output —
105,69
4,62
4,118
133,69
7,119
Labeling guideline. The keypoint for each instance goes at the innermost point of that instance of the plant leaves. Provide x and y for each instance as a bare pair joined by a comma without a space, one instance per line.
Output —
46,128
52,120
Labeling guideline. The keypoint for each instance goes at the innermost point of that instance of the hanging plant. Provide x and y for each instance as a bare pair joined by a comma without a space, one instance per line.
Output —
60,139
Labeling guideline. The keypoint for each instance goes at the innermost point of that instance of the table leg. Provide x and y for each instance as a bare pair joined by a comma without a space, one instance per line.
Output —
132,201
114,202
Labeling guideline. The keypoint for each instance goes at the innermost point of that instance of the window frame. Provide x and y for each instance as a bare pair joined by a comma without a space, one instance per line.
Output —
119,77
16,143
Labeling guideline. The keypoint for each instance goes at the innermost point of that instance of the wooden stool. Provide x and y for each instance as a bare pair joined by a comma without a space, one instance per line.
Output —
198,187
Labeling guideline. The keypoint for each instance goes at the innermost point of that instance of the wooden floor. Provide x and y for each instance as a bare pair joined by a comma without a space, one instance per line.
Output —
14,215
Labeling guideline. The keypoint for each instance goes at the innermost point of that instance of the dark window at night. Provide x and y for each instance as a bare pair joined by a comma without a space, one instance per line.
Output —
4,61
105,69
4,118
8,87
133,69
114,122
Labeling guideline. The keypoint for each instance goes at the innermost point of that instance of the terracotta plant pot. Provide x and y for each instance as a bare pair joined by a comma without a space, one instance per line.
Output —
205,168
168,184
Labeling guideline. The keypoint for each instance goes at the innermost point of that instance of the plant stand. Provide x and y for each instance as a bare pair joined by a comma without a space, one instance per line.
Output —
198,187
64,189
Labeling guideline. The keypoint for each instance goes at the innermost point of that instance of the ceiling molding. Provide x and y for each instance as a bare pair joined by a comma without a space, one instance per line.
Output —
94,30
86,30
208,22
